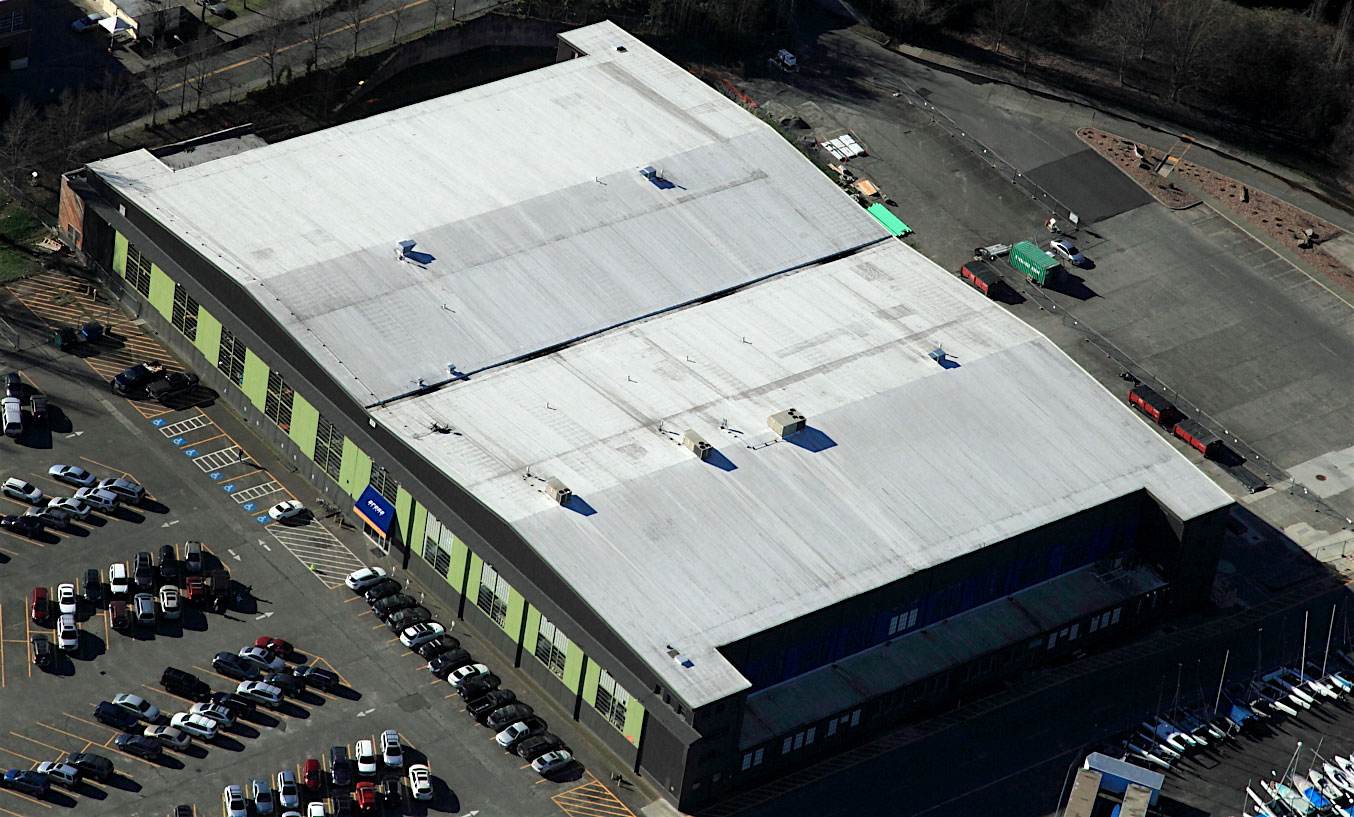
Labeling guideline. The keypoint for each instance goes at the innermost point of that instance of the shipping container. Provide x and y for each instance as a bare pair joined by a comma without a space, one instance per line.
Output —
1033,263
982,276
1199,438
1153,405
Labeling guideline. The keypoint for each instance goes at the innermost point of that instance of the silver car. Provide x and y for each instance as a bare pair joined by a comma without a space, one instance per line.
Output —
127,490
288,795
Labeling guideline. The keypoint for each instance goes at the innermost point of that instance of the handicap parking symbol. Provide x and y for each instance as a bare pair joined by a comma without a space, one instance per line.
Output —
178,441
229,488
249,506
192,452
215,475
262,520
157,423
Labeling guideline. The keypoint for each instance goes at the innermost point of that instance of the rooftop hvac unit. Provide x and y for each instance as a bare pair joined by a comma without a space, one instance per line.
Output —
558,490
696,444
787,422
649,172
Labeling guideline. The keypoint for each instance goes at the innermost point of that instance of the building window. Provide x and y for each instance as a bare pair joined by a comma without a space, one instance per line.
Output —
1072,632
1114,619
903,622
757,757
493,595
384,483
328,448
13,22
808,736
552,647
442,562
230,359
277,401
612,700
831,728
747,761
138,270
785,746
184,313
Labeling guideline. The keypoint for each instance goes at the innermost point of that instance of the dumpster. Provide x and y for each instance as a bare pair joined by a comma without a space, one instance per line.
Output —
981,276
64,338
1147,401
1199,438
1033,263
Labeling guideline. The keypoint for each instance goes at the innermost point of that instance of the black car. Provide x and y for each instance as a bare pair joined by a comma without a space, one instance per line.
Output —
192,557
443,643
287,682
93,587
182,811
478,688
390,605
408,617
139,745
14,385
185,684
169,566
132,381
444,664
91,765
165,388
383,588
317,677
25,525
340,767
504,716
233,666
343,803
389,789
534,747
116,717
237,705
481,707
143,559
40,649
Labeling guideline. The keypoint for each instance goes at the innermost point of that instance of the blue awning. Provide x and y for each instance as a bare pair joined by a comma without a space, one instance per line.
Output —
378,511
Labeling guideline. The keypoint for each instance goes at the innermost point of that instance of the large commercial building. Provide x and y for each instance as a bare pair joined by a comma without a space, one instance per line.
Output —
660,406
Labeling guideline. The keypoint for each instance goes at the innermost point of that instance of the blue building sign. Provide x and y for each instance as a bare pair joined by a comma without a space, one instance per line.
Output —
375,510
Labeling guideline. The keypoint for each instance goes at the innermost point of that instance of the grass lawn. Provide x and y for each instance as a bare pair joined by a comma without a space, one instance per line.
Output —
19,231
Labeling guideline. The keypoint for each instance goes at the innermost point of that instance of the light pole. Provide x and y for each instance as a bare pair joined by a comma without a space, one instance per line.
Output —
183,86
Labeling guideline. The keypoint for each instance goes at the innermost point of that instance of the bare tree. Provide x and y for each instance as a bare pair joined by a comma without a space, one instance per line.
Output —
1339,46
396,11
438,6
111,101
1192,27
272,42
1008,21
68,122
1126,27
202,77
18,136
354,15
315,24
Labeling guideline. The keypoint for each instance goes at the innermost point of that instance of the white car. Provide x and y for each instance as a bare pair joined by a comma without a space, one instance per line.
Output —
67,634
316,809
364,578
258,691
365,755
215,712
233,802
74,507
125,489
119,584
285,510
72,475
106,501
138,706
417,634
23,491
62,773
66,600
261,658
420,782
550,761
459,678
169,601
392,750
197,725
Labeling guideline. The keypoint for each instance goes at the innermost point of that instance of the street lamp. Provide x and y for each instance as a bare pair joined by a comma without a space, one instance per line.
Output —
183,86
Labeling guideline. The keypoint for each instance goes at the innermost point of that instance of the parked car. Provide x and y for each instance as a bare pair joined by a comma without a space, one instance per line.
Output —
287,682
139,745
138,706
91,765
221,715
169,601
125,489
233,802
192,557
143,609
22,491
119,584
478,688
266,694
72,475
115,716
449,662
40,605
26,781
92,587
499,719
194,591
263,796
14,385
392,750
315,808
169,566
185,684
282,511
62,774
106,501
1066,252
390,605
416,634
365,797
66,599
288,793
199,726
420,782
364,578
67,634
261,658
132,381
233,666
532,748
317,677
467,673
518,731
40,651
365,755
480,708
87,23
382,589
171,736
72,507
22,525
237,705
550,761
118,616
276,646
311,776
443,643
340,768
171,385
50,517
408,618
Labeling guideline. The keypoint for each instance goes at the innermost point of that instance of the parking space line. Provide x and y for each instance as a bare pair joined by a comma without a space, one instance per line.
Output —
12,752
114,468
38,742
166,692
26,797
91,723
62,731
2,646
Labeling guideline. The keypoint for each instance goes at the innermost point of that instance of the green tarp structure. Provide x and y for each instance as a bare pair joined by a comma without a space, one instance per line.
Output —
889,220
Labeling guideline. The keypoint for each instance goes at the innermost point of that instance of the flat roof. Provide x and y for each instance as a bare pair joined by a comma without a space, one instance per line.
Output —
685,555
534,225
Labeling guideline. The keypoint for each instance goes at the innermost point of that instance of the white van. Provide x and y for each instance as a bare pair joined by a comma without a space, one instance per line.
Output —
14,418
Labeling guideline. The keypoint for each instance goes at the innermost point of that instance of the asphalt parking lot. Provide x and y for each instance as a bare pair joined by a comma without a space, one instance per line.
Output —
209,480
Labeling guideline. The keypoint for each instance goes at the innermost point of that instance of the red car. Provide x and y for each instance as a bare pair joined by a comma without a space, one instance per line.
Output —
276,646
365,796
196,591
311,774
40,606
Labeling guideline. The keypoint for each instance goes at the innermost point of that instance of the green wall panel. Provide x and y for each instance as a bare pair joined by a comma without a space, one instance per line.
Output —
356,470
305,423
208,340
533,627
512,622
590,683
459,555
404,512
573,666
634,721
255,384
120,254
418,527
161,292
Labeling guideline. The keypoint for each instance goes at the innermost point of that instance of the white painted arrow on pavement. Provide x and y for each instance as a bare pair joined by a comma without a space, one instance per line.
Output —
234,554
76,434
167,524
366,713
263,616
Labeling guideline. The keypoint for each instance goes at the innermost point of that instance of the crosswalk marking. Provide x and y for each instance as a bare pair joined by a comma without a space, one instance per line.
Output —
246,494
219,459
184,426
